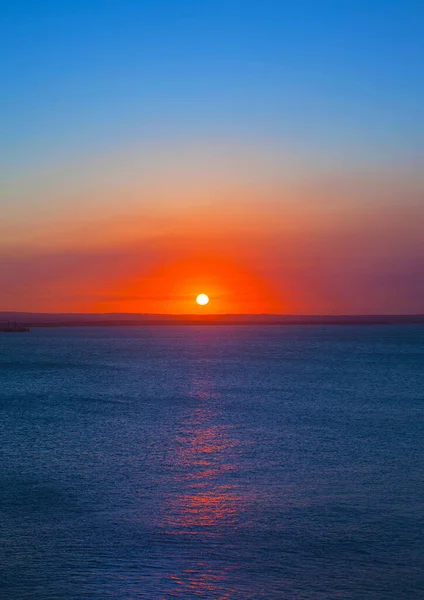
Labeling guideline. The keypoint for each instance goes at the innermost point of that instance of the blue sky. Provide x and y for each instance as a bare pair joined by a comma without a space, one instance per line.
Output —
340,77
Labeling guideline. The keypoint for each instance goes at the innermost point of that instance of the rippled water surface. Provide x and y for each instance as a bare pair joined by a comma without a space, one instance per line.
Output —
212,462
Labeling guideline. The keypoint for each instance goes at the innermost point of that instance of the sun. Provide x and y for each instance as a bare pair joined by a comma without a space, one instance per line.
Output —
202,299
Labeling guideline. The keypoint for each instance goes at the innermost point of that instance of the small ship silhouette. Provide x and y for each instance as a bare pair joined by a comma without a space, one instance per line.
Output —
13,327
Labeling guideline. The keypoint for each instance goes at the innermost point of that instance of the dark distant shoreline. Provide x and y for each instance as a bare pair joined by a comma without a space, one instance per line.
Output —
129,320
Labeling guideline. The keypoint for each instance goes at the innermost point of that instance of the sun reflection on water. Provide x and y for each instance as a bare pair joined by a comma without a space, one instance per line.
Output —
205,457
205,504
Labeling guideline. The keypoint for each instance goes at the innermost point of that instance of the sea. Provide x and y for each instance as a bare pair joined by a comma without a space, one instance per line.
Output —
216,462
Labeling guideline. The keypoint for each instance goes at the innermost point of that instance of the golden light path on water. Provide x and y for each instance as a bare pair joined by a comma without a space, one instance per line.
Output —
207,505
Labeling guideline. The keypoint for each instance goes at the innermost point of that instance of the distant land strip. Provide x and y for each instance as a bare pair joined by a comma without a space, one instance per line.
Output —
128,320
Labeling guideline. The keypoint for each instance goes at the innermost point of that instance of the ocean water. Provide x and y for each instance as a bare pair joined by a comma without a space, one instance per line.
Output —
212,462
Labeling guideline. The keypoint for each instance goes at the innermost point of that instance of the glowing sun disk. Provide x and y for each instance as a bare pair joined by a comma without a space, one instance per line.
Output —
202,299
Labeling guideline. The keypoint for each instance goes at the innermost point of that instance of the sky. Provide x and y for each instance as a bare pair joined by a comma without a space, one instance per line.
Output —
269,153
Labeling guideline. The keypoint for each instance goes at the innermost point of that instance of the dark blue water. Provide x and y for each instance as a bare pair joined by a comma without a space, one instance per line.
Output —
213,462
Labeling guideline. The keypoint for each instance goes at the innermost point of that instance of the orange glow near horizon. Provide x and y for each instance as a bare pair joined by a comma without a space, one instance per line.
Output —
305,250
173,289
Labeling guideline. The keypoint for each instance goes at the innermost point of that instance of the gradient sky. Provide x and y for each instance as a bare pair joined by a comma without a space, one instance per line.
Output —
267,152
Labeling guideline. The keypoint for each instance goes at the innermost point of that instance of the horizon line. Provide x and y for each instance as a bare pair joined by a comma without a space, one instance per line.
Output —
202,315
